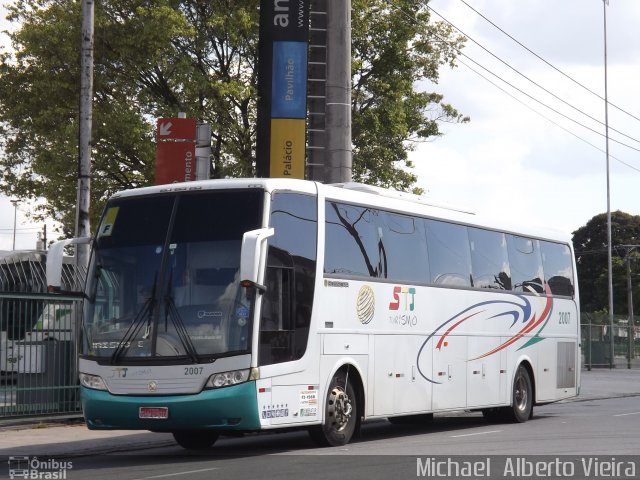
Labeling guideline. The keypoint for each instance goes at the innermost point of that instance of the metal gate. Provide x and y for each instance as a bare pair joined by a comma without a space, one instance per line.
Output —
38,372
38,354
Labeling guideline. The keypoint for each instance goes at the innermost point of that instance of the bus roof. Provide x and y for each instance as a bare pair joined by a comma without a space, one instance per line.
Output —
378,197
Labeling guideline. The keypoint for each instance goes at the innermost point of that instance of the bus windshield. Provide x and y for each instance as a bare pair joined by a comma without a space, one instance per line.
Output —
163,280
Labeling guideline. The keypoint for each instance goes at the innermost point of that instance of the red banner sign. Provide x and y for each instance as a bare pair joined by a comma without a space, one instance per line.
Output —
176,129
176,150
175,162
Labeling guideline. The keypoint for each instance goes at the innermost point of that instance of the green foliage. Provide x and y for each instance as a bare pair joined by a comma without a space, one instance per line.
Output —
154,58
590,243
395,48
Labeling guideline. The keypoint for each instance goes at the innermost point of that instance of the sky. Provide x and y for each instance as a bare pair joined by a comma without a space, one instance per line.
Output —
509,161
26,229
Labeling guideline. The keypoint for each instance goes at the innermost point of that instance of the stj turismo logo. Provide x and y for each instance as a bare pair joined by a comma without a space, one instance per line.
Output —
40,469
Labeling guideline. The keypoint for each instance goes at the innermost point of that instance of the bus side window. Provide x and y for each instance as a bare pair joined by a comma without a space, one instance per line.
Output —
525,262
352,241
403,245
449,253
290,278
277,300
489,259
558,268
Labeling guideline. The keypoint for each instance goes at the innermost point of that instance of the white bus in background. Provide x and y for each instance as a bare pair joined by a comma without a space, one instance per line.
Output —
26,314
258,304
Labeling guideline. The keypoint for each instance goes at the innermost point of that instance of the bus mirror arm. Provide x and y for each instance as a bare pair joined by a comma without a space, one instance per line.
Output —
251,257
253,286
54,261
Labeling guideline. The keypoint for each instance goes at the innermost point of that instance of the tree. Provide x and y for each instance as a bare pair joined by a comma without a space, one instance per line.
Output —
154,58
590,243
394,48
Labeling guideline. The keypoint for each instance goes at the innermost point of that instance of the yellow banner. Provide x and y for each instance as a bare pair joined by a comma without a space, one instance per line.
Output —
287,148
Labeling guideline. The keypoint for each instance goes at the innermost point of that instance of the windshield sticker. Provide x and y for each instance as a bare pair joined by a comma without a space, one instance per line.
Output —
242,312
106,229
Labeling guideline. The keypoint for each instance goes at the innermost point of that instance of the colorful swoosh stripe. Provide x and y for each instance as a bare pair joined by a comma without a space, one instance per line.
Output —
520,310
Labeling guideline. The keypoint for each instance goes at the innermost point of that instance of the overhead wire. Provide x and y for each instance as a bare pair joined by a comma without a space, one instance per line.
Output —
569,77
547,118
520,101
11,229
544,104
533,81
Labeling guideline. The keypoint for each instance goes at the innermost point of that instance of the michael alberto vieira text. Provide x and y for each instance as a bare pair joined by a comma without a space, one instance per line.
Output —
527,467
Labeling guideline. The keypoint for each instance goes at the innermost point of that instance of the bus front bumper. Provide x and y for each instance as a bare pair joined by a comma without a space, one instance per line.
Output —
228,408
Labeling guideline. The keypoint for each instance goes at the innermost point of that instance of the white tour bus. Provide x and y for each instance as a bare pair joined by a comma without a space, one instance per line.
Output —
257,304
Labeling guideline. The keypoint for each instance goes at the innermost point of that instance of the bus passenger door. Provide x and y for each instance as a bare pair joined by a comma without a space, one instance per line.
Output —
450,372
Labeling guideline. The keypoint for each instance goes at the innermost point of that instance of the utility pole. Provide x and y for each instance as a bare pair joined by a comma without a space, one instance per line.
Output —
83,227
631,344
338,166
609,254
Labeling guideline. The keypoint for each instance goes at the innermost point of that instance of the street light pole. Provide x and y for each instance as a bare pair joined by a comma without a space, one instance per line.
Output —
606,127
15,217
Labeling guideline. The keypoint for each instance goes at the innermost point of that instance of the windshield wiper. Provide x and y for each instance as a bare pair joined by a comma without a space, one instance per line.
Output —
171,311
136,325
181,330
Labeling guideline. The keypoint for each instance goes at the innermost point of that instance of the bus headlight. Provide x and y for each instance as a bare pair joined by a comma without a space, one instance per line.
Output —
92,381
233,377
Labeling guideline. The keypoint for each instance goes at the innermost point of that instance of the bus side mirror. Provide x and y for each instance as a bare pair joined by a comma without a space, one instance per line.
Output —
54,261
251,256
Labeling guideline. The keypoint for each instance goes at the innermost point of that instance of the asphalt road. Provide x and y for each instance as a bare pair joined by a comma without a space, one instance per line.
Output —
573,435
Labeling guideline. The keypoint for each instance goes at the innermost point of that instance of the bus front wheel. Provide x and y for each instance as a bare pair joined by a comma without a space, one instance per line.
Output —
341,414
195,439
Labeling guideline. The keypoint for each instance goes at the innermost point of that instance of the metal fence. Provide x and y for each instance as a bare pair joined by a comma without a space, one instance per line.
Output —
596,341
38,373
37,355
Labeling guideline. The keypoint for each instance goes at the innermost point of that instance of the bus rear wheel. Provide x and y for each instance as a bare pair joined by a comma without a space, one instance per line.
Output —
521,408
195,439
341,414
522,397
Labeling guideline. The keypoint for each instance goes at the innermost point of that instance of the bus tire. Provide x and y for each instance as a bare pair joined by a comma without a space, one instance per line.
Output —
522,396
195,439
341,414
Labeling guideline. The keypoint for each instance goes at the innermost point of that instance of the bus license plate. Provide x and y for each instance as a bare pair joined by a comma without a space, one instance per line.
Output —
154,412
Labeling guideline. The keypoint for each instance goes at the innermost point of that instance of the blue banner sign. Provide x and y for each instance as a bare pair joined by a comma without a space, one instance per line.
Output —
289,80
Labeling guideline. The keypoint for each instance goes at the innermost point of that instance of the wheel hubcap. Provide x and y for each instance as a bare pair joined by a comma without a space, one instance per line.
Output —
340,408
520,395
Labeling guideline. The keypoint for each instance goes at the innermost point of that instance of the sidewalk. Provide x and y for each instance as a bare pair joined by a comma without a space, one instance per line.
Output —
55,440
